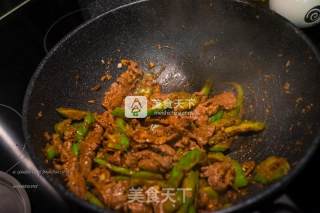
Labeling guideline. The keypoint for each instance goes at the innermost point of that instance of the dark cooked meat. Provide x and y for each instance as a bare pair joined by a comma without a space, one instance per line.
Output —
226,100
131,160
99,176
125,83
148,160
159,135
88,148
75,181
114,194
165,149
149,165
115,158
106,120
220,175
248,167
61,147
202,134
179,123
70,166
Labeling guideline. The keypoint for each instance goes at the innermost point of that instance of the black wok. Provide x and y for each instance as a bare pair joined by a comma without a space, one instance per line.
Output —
208,39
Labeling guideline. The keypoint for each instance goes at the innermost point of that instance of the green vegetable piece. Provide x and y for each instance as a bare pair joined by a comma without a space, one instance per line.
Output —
81,132
191,182
116,146
169,206
240,177
212,194
118,112
75,149
128,172
51,152
189,160
206,89
71,113
221,147
83,128
121,125
144,91
106,156
76,125
160,106
216,117
240,94
89,118
121,177
236,112
91,198
185,164
147,175
124,142
175,177
192,209
271,169
217,156
245,126
116,169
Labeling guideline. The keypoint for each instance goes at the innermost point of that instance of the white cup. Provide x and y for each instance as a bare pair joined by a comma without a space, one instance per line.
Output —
302,13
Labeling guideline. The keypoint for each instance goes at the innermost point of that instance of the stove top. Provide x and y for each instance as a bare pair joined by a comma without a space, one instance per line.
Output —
26,34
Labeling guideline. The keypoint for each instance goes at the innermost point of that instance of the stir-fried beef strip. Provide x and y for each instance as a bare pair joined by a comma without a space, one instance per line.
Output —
124,84
148,160
164,149
88,148
220,175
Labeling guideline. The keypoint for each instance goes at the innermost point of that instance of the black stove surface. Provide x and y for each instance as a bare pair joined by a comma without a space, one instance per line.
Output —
26,35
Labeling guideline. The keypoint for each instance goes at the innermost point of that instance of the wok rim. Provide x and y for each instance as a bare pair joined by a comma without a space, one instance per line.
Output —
251,201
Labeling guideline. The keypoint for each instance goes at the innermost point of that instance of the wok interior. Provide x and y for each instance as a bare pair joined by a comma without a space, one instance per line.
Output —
219,40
